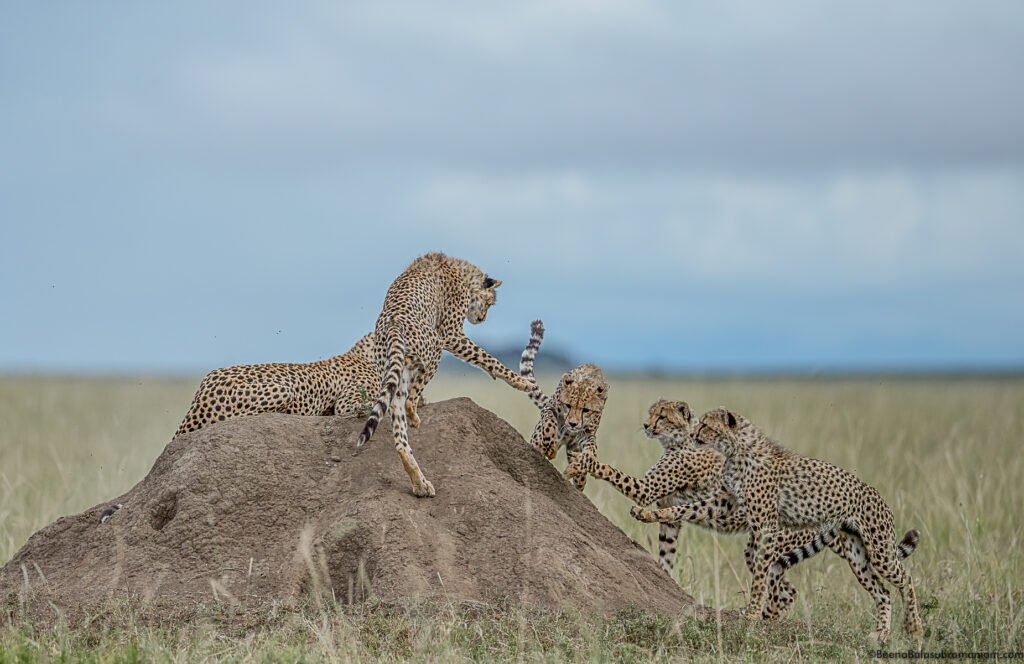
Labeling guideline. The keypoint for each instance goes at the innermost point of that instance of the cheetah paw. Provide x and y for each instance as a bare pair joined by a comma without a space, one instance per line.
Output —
751,614
425,490
880,636
640,514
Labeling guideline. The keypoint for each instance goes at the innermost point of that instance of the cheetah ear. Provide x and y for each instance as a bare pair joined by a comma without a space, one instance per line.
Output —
567,379
728,417
684,408
491,283
601,389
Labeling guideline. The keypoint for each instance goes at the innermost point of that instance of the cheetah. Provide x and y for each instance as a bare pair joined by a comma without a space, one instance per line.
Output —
781,489
571,415
684,475
423,315
341,385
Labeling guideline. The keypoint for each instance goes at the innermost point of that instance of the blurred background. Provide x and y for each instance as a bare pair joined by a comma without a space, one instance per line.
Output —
673,187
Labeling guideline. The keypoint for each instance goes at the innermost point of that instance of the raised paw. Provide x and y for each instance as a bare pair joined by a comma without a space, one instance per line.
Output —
425,490
640,514
520,383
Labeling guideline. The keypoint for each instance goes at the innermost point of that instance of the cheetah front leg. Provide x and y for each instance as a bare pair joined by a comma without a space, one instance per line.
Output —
545,434
667,534
575,453
698,512
763,518
664,478
467,351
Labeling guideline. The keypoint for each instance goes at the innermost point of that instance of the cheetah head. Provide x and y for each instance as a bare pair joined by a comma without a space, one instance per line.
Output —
581,398
670,422
718,430
481,298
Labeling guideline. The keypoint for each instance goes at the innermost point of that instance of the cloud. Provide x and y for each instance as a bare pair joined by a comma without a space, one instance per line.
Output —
565,85
851,230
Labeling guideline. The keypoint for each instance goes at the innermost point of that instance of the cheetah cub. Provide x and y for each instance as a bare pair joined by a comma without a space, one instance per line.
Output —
342,385
684,475
424,311
781,489
571,415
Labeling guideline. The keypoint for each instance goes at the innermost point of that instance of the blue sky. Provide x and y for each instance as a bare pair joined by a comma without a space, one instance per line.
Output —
679,186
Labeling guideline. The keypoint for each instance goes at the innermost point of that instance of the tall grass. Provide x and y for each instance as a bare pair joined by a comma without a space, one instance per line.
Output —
942,452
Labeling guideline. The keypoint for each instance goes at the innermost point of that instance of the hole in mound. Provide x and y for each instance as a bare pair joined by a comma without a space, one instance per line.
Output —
165,510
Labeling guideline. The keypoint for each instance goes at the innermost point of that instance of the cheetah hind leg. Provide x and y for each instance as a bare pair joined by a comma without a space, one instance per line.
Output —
781,593
421,487
882,553
422,376
354,401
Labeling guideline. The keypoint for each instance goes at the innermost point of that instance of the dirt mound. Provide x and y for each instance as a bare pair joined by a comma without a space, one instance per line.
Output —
272,508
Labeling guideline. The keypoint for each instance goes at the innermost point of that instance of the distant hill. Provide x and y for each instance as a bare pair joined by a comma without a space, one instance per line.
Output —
549,360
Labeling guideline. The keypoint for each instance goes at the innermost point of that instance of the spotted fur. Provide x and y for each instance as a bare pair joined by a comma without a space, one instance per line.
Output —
781,489
685,474
569,417
342,385
424,311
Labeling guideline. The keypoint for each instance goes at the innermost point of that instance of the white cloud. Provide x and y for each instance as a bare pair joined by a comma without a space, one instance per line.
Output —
853,230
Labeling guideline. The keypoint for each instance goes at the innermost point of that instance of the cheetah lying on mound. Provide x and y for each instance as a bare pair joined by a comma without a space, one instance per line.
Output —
781,489
341,385
423,315
571,415
685,474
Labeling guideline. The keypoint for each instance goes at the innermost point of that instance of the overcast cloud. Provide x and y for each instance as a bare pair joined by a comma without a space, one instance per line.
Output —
716,186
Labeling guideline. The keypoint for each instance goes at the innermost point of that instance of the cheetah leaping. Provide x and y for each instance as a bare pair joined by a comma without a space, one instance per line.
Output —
684,475
423,314
571,415
781,489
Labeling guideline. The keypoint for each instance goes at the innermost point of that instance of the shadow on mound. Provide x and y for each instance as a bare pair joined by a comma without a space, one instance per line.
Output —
271,509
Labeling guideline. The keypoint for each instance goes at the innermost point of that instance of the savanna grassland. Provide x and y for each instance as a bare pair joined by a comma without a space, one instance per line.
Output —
943,452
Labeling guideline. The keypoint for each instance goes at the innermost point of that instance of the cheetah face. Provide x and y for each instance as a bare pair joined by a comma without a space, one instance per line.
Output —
717,430
481,298
581,402
670,422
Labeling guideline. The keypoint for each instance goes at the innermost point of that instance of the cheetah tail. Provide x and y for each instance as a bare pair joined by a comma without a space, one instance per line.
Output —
909,543
392,379
821,541
526,361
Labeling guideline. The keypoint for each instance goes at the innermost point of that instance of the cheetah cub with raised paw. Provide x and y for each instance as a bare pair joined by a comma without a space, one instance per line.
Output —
571,415
684,475
424,311
781,489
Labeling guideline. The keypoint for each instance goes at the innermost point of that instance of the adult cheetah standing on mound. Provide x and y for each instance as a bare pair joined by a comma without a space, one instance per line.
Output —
423,315
571,415
341,385
781,489
685,474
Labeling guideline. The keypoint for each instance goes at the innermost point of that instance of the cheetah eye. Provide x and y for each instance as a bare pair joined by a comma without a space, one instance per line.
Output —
586,410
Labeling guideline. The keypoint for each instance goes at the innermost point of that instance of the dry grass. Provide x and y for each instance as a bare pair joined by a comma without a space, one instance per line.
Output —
942,452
